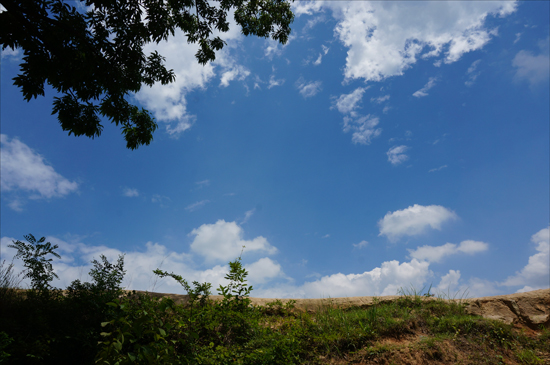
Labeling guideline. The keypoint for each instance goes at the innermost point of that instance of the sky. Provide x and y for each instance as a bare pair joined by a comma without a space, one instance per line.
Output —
388,146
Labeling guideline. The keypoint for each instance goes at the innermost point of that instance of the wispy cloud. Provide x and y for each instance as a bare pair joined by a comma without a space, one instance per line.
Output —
203,183
197,205
308,89
274,82
396,155
424,91
533,68
319,59
380,99
361,244
439,168
472,74
248,215
130,192
237,72
348,103
161,200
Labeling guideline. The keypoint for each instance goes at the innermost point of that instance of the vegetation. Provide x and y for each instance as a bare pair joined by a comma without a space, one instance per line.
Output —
97,323
93,55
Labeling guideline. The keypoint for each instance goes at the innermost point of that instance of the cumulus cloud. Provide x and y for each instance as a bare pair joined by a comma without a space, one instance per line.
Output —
414,220
308,89
384,280
437,253
22,169
140,263
449,282
223,241
424,91
130,192
533,68
396,155
168,103
264,270
536,274
385,38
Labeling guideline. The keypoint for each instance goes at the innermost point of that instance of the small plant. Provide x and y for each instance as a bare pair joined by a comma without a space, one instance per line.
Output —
39,268
9,281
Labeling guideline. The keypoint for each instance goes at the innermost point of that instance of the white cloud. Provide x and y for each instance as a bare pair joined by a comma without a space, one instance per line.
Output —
203,183
437,253
305,7
533,68
424,91
385,38
275,48
384,280
361,244
139,265
414,220
347,103
248,215
222,241
536,274
472,74
160,199
197,205
168,103
263,270
308,89
396,155
363,128
438,168
274,82
319,59
11,54
380,99
23,169
237,72
449,282
130,192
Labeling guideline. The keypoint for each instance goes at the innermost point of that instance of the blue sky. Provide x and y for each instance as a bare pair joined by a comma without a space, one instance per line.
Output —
388,145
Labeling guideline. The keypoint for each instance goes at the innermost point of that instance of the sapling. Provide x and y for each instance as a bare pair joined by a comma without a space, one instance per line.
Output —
39,268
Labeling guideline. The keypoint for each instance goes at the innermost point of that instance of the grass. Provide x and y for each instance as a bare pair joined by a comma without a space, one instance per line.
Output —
94,323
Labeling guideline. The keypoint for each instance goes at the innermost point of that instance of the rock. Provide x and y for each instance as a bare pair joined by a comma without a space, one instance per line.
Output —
531,309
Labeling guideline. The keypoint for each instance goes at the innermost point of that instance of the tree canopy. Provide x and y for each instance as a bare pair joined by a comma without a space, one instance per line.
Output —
94,56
